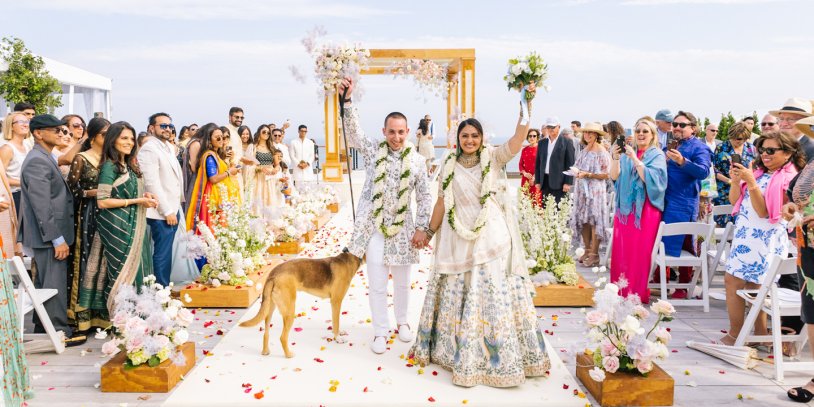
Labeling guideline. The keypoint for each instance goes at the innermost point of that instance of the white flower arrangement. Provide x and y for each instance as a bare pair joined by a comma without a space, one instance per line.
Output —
332,63
526,70
547,239
617,339
428,75
292,223
148,325
235,245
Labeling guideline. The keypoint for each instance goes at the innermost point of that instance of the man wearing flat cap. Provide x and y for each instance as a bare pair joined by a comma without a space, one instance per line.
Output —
46,221
664,126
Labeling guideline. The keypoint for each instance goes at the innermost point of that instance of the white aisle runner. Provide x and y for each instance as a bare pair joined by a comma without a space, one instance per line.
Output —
324,373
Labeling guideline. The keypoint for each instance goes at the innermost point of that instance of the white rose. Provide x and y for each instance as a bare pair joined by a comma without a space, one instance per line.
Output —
579,251
215,282
171,312
632,326
612,288
163,296
516,69
224,276
663,307
239,272
180,337
663,335
597,374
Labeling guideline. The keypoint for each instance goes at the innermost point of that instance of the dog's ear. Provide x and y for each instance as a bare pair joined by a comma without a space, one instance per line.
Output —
345,250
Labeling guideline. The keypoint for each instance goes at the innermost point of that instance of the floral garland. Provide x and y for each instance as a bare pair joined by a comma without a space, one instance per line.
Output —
378,190
485,189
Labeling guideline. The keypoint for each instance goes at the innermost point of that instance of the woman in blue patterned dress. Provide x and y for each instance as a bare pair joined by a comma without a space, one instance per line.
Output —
738,143
760,230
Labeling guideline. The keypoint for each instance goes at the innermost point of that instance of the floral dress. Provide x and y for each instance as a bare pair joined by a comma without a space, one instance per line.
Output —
755,239
591,205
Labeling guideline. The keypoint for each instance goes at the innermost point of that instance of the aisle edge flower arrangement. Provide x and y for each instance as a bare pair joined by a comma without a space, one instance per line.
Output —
546,239
148,325
617,339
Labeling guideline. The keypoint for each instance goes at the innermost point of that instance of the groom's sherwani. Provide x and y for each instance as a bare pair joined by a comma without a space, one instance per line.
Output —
397,249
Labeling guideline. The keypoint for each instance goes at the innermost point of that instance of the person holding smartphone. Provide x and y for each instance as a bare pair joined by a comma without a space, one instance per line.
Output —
736,149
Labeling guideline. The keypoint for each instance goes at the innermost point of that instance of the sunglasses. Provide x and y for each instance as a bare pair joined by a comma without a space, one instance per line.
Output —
58,130
712,131
681,125
165,126
238,117
193,129
769,150
78,126
21,122
737,139
767,124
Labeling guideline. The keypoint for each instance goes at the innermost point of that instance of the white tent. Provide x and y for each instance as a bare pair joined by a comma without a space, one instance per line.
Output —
83,92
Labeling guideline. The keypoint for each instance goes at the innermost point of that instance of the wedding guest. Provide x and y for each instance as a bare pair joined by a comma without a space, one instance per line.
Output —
211,174
263,196
280,186
189,166
768,123
86,307
664,120
12,154
16,380
574,137
232,140
793,110
554,155
76,131
247,152
750,123
758,196
478,319
527,164
163,179
799,193
589,217
46,222
688,164
575,124
8,218
27,109
384,231
615,130
122,218
424,145
640,177
722,161
710,134
277,137
301,152
226,152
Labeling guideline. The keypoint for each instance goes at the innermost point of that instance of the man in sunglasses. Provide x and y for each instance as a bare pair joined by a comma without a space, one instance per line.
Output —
46,222
688,163
164,179
769,123
277,140
793,110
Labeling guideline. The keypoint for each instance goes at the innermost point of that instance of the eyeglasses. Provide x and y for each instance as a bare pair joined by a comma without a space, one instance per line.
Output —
767,124
681,125
238,117
165,126
21,122
737,139
78,126
712,131
769,150
58,130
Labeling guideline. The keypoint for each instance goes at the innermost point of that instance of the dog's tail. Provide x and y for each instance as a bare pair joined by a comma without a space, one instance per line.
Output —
266,306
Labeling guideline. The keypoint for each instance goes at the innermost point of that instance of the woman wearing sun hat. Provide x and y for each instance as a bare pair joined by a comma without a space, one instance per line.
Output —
590,210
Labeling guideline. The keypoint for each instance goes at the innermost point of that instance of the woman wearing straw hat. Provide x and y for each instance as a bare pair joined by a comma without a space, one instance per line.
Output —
590,211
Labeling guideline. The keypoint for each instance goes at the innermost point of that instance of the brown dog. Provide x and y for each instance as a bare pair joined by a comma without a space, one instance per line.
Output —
325,278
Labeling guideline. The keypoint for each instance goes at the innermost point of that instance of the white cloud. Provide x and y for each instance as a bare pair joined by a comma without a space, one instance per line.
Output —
215,9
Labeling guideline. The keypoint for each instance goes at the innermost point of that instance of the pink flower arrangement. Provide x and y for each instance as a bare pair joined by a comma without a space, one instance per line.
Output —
148,326
618,339
428,75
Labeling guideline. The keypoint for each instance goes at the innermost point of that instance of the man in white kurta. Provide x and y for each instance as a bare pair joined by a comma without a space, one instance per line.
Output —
301,153
393,255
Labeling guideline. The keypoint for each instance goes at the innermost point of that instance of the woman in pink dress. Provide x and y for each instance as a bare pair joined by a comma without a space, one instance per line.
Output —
528,160
640,178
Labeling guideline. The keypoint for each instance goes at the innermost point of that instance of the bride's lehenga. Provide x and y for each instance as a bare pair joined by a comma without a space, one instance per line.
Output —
478,318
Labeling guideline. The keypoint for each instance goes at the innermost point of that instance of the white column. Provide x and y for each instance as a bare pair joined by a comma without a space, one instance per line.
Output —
70,99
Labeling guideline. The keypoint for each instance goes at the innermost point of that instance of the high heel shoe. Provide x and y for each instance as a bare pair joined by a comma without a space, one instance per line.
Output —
591,260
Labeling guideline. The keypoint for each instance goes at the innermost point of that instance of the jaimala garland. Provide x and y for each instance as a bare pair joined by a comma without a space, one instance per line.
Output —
378,190
485,190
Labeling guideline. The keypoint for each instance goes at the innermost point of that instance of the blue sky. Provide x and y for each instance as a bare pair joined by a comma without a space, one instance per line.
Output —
609,59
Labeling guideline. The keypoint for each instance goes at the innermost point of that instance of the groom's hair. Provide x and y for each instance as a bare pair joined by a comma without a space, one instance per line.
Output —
394,115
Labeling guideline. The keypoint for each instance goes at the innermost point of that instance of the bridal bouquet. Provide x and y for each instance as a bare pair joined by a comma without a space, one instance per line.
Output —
332,63
235,245
428,75
148,326
292,223
546,239
527,70
616,337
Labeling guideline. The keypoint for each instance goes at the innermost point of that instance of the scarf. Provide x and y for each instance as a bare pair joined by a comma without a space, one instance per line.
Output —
778,184
631,191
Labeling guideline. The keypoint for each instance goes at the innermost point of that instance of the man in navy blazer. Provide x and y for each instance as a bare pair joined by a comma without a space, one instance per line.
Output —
555,154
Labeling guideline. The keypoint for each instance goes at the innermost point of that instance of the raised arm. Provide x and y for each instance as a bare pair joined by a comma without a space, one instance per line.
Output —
356,136
521,130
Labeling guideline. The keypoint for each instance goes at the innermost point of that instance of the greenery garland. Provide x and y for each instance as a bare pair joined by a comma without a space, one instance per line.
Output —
449,196
378,190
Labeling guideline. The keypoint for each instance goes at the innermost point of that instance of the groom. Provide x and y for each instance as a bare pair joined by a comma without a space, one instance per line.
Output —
384,228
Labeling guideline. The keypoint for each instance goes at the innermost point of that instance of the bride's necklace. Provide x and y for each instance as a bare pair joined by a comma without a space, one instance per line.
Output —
468,160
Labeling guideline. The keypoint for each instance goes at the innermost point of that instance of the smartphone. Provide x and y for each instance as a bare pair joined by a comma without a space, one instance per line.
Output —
736,159
228,148
239,166
620,141
672,144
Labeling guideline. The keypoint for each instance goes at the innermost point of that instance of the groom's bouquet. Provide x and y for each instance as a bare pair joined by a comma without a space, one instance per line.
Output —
526,70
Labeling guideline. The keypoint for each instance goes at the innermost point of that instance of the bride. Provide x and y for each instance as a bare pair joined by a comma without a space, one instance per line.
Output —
478,318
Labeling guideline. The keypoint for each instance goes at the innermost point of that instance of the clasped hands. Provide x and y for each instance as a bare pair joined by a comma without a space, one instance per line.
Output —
420,239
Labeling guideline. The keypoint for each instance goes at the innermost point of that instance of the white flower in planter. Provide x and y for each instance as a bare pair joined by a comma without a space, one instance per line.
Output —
180,337
215,282
597,374
579,252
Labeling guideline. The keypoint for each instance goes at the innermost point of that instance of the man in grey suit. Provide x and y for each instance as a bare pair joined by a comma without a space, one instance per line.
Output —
46,221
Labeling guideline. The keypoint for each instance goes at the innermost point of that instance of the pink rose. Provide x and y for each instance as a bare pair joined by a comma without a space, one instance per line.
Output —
640,312
608,349
596,318
110,347
134,343
644,366
610,363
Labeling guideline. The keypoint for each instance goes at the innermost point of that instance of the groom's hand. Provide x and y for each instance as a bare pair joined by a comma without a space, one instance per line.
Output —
347,83
419,240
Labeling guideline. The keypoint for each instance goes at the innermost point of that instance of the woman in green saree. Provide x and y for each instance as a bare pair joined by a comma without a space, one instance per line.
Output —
122,219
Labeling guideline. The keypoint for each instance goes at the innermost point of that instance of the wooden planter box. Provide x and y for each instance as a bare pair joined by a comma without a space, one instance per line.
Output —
321,221
285,248
309,237
334,207
227,296
145,379
561,295
627,389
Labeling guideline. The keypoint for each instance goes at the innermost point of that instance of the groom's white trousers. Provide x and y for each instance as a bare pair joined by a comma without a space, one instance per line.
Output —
377,276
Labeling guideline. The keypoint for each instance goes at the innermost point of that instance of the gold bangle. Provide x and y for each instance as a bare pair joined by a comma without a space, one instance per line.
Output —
126,202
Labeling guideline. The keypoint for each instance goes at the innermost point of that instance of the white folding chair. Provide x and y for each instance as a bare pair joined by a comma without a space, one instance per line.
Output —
776,302
606,258
685,259
30,299
723,243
